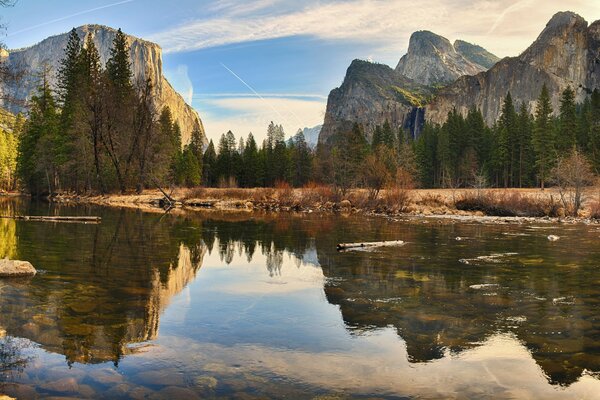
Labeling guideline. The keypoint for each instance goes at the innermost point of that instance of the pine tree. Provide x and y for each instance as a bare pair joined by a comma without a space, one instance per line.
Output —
251,175
209,161
301,160
542,139
567,135
525,147
36,164
508,153
118,66
594,132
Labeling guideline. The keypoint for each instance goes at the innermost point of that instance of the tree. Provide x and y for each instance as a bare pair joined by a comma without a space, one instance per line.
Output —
349,151
572,174
36,166
301,162
542,138
567,135
209,161
507,150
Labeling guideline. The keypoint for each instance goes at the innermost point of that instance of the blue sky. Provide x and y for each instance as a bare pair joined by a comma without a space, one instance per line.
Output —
289,54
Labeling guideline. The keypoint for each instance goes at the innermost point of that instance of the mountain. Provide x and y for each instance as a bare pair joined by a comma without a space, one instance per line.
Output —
146,62
475,54
371,94
311,135
566,53
432,60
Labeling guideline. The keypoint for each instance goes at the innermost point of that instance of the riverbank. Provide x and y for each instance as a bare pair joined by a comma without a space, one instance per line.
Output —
517,205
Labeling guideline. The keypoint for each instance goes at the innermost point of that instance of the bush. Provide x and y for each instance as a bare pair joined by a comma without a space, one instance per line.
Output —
397,198
595,209
507,205
285,193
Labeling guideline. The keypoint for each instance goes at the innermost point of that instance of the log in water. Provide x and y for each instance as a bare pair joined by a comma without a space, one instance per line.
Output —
349,246
87,220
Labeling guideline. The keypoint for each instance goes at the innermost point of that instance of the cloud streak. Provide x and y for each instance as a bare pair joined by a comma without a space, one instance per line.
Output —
91,10
384,23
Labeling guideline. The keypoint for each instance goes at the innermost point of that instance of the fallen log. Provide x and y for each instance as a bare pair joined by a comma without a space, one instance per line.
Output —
15,269
350,246
92,220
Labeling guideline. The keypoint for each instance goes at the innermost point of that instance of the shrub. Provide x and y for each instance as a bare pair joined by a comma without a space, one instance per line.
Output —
507,205
285,193
397,198
595,209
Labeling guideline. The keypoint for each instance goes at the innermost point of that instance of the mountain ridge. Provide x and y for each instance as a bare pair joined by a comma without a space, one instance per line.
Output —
146,61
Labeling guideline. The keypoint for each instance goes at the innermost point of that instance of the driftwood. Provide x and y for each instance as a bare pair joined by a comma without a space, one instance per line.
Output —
167,202
350,246
87,220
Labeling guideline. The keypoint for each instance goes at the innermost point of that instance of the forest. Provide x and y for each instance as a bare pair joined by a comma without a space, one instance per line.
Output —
100,132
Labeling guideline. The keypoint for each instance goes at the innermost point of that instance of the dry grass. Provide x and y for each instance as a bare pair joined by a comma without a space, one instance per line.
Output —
285,194
396,199
431,200
508,204
594,208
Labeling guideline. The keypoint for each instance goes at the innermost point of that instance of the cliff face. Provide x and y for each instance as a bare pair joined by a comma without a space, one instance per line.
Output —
432,60
146,62
373,93
370,95
566,53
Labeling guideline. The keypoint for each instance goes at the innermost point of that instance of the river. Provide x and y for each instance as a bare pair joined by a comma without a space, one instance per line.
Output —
241,305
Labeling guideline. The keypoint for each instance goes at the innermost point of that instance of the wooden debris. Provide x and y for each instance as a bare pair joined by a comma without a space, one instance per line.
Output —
350,246
87,220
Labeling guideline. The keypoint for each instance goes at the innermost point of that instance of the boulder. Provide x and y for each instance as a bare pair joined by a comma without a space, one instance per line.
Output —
14,268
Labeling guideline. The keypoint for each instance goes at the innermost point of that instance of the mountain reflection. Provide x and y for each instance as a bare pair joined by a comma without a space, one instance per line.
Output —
105,286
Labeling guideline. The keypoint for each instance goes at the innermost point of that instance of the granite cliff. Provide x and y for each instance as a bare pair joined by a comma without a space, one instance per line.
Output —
432,60
463,75
373,93
566,53
146,62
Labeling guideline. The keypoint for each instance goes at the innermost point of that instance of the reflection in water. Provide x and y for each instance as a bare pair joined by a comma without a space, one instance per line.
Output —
246,303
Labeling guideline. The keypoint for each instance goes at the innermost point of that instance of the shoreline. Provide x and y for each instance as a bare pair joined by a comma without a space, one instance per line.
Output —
423,203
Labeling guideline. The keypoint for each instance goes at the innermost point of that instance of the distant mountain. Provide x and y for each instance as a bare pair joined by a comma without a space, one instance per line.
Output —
436,76
566,53
146,61
311,135
432,60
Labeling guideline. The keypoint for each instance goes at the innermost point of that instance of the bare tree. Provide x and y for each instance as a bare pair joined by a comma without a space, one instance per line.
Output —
573,174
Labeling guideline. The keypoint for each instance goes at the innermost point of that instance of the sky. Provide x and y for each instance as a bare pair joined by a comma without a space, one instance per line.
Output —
242,64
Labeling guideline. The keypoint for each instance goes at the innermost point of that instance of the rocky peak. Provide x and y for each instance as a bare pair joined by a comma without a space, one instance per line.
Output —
476,54
146,62
432,60
566,53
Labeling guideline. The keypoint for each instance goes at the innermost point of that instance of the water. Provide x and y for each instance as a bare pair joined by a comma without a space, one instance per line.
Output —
245,306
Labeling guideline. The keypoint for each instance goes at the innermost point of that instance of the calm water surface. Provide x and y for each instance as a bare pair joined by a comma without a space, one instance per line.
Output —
212,305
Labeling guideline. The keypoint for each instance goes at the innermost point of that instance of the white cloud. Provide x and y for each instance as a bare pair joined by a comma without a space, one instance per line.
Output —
181,82
244,114
387,24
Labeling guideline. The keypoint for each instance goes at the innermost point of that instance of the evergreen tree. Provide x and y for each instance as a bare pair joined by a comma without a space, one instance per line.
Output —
36,166
594,130
118,66
209,161
542,139
525,147
567,135
301,160
252,176
507,140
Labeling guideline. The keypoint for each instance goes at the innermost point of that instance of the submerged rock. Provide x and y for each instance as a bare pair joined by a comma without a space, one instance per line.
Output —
14,268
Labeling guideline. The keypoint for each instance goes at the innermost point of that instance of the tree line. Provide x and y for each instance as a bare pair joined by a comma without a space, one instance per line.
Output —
519,150
101,131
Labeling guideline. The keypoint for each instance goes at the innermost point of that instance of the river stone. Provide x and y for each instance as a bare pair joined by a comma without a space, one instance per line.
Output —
14,268
176,392
65,385
206,382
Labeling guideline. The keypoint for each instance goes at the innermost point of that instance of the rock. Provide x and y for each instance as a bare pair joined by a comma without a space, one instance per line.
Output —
64,385
432,60
174,392
553,238
563,55
14,268
166,377
4,397
249,204
146,62
206,382
345,204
